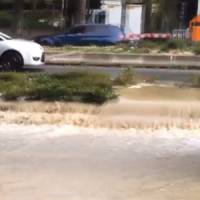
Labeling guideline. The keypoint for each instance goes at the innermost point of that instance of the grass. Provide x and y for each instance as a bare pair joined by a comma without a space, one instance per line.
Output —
150,44
127,77
195,81
196,49
142,47
166,46
74,86
120,48
69,87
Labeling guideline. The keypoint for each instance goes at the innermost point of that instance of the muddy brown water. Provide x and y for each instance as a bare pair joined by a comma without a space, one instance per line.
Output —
139,147
51,162
137,107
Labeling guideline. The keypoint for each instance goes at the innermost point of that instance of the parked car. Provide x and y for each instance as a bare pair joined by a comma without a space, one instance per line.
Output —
15,53
88,34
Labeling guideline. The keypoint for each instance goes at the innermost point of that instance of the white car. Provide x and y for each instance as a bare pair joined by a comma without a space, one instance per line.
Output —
15,53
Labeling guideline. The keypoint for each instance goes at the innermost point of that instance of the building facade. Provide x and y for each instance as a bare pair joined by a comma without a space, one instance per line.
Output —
110,12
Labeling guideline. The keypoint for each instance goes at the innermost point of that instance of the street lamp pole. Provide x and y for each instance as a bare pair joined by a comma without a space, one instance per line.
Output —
123,15
64,13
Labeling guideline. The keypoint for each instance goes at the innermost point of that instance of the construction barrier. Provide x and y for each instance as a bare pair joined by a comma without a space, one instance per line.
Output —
150,36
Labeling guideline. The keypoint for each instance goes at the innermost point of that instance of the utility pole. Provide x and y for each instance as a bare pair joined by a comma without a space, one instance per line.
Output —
123,15
64,13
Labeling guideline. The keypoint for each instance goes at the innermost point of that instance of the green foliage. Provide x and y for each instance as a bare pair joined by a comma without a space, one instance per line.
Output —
84,87
151,44
164,46
39,20
127,77
175,44
32,23
196,81
196,48
5,19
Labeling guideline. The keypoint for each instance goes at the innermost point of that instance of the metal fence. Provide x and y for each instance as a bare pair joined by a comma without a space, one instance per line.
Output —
181,34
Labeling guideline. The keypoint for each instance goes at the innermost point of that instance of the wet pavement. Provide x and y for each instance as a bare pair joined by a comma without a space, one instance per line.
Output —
163,75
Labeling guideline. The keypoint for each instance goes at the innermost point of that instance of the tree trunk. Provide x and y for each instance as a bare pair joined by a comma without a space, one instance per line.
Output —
80,14
169,14
148,15
18,17
34,6
76,12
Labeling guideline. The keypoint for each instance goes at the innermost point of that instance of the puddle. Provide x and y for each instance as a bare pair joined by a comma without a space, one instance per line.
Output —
161,92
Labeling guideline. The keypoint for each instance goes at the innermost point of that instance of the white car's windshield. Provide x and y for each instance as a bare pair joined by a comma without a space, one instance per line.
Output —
4,36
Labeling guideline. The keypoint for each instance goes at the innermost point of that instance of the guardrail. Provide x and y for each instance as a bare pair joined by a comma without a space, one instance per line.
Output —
126,59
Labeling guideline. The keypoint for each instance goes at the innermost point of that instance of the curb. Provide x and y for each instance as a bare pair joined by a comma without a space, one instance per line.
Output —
132,60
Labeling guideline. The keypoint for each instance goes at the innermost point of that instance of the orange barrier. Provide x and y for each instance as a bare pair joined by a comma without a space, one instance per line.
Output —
195,29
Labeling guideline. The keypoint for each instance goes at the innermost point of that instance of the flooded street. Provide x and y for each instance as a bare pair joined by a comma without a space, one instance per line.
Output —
66,162
99,100
143,146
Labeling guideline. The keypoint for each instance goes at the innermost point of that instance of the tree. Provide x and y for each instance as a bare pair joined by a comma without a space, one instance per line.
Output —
80,14
76,11
34,5
18,16
169,14
148,12
162,15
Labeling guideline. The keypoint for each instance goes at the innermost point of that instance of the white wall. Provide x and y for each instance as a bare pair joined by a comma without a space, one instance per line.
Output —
134,19
113,12
114,15
133,16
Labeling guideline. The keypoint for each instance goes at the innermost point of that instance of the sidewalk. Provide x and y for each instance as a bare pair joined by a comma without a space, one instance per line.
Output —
132,60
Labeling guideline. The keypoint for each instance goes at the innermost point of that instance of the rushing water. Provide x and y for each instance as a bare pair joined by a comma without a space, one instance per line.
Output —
122,113
69,162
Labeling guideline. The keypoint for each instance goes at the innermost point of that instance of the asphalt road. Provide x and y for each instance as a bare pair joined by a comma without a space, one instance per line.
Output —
64,162
158,74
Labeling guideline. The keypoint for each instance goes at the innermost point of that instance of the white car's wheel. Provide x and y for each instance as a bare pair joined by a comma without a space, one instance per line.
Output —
11,61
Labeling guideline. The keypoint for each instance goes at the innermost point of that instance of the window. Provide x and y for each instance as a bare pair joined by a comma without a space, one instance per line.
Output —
5,37
77,30
100,18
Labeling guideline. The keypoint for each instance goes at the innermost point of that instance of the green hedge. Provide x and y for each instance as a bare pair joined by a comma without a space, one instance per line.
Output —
75,86
30,21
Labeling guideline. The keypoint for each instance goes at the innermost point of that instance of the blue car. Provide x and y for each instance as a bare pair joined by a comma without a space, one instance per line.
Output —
88,34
